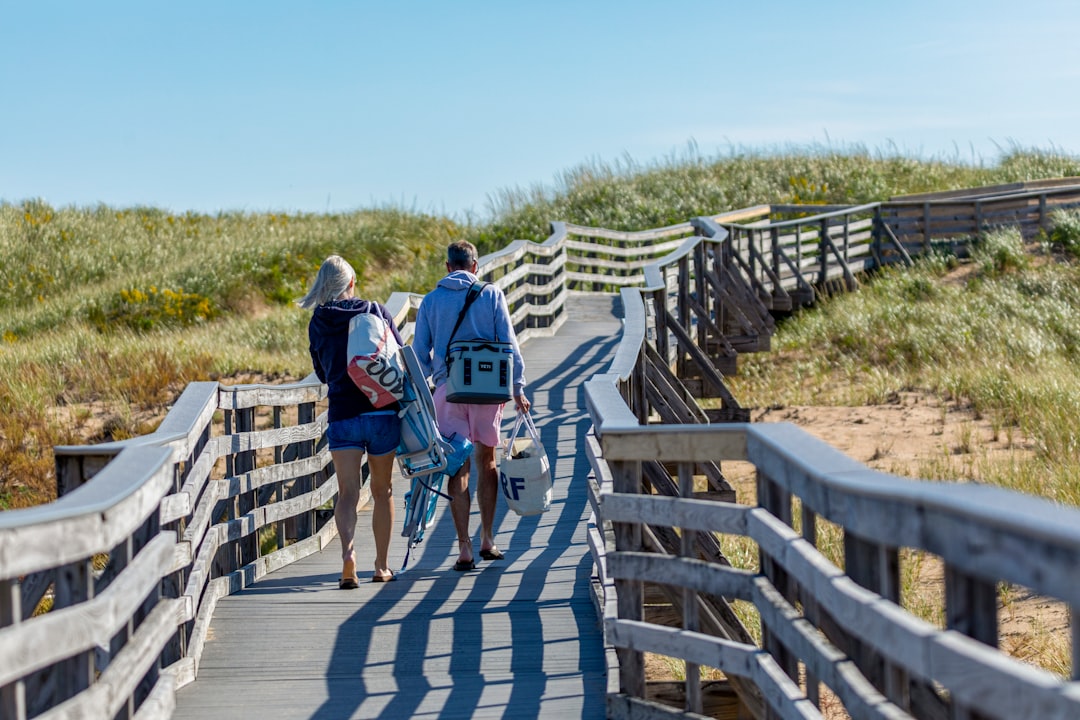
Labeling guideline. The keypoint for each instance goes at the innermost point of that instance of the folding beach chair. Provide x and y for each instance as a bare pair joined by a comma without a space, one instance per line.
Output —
424,456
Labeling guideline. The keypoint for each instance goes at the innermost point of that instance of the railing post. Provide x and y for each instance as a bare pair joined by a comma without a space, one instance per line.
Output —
640,377
875,238
304,523
688,549
13,695
847,236
626,478
777,500
704,297
244,462
971,606
683,295
823,251
876,568
277,490
74,586
663,346
774,258
751,256
926,227
798,253
810,604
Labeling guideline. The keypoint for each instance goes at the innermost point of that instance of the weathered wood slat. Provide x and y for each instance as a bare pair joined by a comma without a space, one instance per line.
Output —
240,442
161,702
652,250
688,573
643,237
623,707
705,515
240,397
860,698
64,632
93,519
106,697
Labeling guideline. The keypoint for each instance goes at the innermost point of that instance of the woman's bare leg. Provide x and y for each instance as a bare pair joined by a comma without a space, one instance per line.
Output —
347,465
382,515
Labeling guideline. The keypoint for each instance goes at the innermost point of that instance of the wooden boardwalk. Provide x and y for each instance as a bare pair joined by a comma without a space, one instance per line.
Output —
515,638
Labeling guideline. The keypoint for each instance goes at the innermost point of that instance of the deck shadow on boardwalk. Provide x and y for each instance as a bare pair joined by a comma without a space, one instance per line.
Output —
514,638
435,615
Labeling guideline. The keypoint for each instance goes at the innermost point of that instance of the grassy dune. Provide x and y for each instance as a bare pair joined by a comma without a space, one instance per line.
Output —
122,307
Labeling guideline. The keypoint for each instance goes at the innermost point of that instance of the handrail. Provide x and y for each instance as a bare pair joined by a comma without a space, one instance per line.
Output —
978,531
691,303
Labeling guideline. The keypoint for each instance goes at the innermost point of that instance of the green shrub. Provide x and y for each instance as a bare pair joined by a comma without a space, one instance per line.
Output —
1065,231
152,309
1000,251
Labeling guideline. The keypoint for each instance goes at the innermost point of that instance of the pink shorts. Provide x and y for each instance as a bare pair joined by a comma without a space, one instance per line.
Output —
479,423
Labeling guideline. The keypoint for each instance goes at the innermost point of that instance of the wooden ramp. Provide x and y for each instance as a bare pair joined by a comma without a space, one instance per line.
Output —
516,638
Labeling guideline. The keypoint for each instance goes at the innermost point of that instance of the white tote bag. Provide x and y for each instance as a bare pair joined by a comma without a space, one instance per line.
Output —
524,472
374,362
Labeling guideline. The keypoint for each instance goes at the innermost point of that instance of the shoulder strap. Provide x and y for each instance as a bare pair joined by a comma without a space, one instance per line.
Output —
474,292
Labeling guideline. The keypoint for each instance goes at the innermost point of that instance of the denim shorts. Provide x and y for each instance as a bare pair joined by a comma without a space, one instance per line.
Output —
376,433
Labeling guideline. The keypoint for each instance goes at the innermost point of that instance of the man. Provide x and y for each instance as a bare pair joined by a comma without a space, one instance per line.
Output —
488,318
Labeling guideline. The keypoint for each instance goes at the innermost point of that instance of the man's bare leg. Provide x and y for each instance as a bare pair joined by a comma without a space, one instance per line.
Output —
460,507
487,493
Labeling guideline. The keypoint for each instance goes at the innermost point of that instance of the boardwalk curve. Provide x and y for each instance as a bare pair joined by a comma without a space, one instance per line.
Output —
517,638
220,515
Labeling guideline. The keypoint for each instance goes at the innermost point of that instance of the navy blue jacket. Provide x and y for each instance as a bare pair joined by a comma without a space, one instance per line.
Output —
328,335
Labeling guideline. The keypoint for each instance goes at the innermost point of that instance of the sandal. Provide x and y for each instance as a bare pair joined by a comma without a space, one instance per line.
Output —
348,580
384,578
491,554
465,565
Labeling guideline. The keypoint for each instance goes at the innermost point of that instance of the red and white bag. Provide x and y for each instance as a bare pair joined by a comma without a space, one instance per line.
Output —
374,362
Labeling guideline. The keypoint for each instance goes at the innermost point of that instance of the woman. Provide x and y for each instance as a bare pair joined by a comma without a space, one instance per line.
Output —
355,425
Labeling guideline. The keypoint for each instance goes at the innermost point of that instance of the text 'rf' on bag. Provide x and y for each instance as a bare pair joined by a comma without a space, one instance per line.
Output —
524,472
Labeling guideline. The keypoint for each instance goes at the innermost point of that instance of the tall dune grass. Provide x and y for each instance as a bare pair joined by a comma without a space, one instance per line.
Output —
125,306
1001,335
627,195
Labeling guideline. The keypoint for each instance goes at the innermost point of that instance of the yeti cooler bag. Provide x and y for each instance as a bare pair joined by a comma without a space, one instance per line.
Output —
480,372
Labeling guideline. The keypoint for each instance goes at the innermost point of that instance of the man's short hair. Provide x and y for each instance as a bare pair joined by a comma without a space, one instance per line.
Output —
461,255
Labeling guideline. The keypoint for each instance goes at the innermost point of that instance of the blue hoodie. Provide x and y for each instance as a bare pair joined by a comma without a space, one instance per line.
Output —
488,319
328,335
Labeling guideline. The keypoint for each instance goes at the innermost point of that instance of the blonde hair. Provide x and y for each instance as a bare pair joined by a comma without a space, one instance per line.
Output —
335,275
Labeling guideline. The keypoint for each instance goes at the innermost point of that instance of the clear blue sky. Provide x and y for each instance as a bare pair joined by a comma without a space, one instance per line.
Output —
435,106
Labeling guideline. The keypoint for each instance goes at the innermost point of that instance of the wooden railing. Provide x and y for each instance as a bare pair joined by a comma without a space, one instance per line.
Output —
790,253
822,626
148,534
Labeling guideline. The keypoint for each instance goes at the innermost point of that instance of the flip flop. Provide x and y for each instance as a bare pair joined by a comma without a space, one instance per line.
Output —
348,583
465,565
492,554
384,578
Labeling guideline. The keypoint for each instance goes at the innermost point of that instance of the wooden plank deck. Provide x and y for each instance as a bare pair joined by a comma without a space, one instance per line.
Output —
515,638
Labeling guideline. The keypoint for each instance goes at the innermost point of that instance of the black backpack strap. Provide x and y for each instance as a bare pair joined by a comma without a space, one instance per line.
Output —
474,292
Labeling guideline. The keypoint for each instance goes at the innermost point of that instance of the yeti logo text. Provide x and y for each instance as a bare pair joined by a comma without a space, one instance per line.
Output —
511,486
